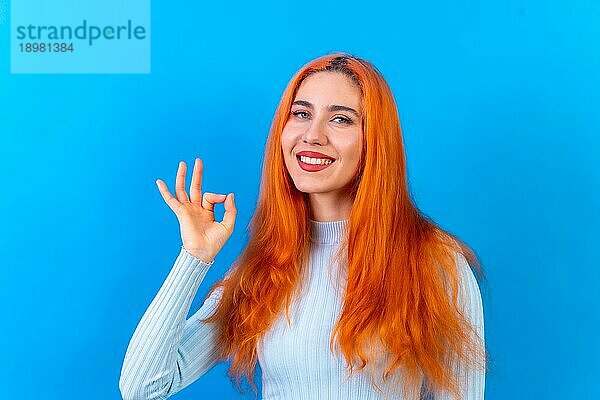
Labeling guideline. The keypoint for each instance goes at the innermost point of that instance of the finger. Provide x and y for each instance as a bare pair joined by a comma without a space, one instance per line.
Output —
167,196
210,199
196,186
230,213
180,183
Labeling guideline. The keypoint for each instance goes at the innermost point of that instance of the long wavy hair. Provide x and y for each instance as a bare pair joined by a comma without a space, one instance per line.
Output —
402,274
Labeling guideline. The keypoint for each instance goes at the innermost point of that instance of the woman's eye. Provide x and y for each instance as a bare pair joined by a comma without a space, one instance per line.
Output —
344,120
297,113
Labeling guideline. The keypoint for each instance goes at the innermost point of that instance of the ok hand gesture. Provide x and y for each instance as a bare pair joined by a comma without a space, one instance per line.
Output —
202,236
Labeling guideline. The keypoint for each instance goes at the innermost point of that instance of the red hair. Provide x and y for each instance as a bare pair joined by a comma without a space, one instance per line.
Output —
394,253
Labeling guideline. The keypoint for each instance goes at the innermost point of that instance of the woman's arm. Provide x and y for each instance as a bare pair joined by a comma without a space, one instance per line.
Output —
167,352
472,381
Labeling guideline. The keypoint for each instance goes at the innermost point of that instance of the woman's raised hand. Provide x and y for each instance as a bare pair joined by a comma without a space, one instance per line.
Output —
202,236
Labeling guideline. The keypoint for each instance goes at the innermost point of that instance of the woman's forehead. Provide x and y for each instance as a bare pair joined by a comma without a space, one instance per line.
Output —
323,89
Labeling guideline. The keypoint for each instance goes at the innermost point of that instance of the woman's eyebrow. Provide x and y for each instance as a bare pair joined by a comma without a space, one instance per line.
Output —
332,107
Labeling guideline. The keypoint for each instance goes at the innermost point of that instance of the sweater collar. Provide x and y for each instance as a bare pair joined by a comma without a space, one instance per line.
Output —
327,232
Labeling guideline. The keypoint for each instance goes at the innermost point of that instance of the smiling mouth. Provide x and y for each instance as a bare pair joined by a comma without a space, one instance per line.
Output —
313,167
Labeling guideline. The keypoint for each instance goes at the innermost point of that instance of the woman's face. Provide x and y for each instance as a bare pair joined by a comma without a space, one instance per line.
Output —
326,118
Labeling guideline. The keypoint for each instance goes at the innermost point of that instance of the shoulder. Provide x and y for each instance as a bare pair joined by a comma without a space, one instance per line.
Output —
464,270
469,295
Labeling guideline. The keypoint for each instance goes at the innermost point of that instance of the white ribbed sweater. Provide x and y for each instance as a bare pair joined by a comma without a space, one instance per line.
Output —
167,352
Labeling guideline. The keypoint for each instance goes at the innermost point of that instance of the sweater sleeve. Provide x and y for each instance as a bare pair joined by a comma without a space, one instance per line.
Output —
472,381
167,352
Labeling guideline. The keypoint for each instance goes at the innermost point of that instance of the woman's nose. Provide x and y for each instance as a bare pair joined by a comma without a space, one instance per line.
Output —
315,132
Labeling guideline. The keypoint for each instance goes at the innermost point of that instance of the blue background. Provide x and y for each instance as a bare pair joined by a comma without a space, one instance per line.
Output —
499,103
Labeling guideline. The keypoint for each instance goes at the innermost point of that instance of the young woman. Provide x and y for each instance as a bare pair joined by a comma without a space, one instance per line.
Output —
344,290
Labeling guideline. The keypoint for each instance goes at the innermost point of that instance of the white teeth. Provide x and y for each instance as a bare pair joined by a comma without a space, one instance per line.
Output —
316,161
